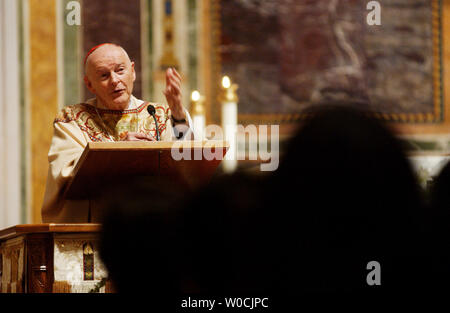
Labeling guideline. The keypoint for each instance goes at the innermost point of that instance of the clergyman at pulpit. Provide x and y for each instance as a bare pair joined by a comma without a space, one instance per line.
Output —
113,115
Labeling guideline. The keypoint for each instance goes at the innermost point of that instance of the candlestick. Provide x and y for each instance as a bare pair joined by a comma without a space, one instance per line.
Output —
229,99
198,114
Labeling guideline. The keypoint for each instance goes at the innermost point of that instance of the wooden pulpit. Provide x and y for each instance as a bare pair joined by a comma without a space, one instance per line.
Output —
190,163
52,258
65,258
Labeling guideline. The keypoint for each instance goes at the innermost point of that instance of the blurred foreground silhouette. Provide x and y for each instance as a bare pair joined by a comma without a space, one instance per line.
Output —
344,195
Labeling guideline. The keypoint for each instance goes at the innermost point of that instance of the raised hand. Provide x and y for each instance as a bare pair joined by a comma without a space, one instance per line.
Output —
173,94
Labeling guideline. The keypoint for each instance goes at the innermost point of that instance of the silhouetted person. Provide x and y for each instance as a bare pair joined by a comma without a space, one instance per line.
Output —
345,195
227,238
137,239
215,241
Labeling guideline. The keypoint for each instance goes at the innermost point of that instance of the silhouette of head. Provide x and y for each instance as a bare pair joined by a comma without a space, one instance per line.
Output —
346,195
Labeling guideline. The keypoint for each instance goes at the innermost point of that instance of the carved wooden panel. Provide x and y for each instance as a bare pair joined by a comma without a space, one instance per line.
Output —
40,263
12,266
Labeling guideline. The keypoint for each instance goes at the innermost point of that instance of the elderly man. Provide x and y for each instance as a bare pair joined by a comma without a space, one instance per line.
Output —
113,115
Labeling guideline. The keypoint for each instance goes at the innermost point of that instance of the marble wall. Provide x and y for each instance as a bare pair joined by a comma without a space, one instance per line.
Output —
287,55
68,262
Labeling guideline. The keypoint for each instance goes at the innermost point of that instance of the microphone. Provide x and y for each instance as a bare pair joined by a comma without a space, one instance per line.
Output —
151,110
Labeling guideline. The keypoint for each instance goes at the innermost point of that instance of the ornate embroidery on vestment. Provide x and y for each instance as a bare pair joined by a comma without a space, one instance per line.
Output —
118,123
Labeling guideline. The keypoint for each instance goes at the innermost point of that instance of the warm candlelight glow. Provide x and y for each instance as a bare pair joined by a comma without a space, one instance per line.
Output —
198,114
195,95
229,99
226,82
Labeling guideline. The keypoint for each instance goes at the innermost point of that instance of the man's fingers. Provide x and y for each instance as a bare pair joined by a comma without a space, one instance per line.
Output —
172,92
145,137
133,136
172,81
175,81
174,71
176,88
168,76
149,138
172,74
175,84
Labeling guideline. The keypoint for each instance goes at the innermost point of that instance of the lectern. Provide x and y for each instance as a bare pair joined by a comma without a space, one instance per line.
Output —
64,257
190,163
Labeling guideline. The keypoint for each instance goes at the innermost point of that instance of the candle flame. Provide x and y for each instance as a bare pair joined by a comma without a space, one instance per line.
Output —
195,95
226,82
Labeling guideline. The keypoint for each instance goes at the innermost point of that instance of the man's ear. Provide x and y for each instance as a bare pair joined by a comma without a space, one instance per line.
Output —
134,72
88,84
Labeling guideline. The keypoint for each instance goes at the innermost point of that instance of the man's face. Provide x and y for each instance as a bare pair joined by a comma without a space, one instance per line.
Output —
110,76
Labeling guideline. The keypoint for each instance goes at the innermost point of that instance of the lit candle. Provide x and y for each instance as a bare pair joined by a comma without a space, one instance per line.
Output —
198,114
228,98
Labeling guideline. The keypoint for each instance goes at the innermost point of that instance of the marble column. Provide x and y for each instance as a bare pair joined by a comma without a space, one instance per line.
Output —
10,116
42,93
